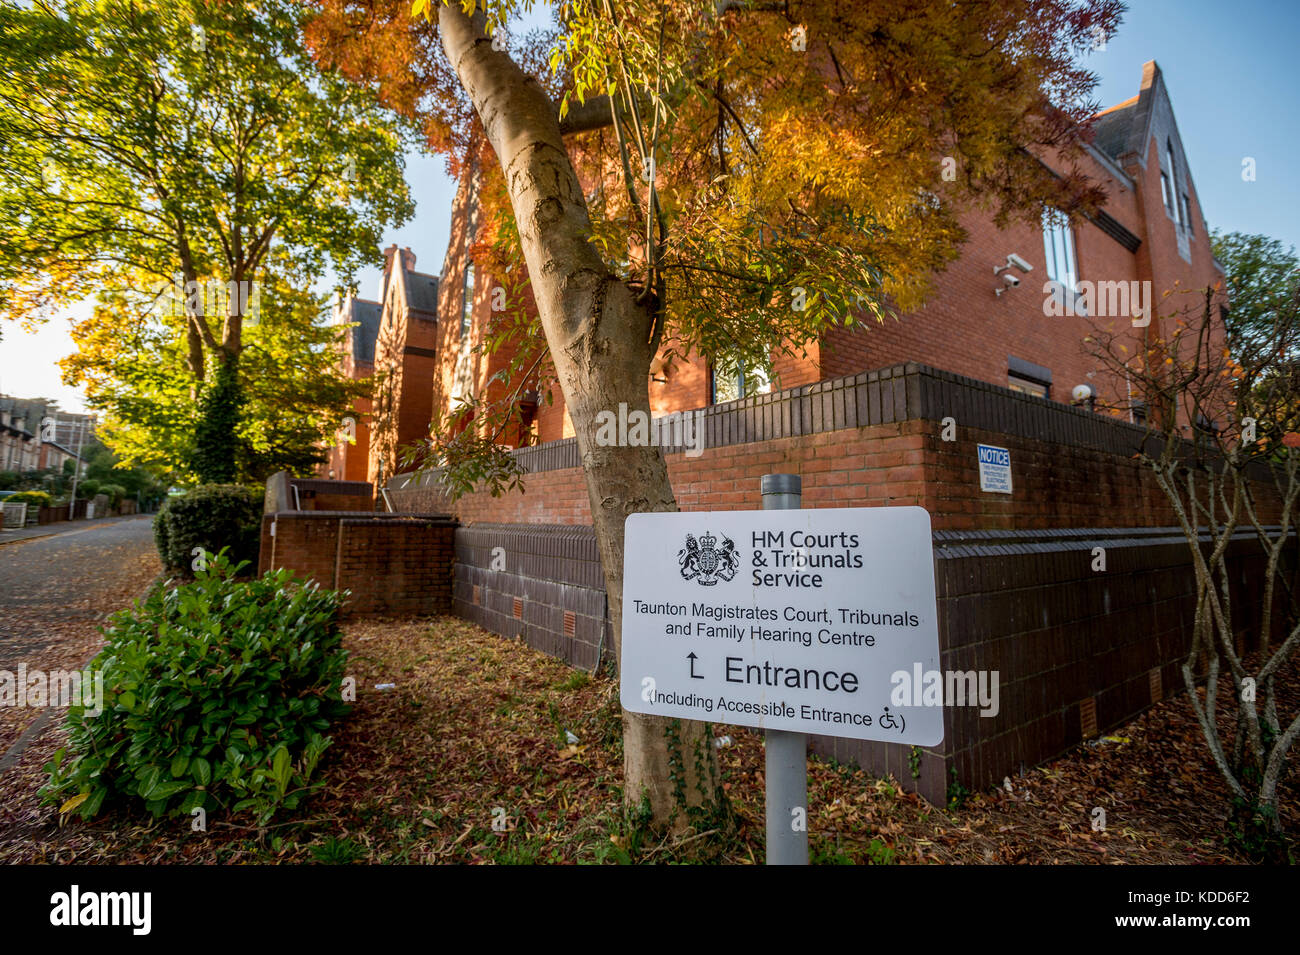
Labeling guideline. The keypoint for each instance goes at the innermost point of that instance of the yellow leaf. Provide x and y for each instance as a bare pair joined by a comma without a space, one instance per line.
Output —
73,803
419,7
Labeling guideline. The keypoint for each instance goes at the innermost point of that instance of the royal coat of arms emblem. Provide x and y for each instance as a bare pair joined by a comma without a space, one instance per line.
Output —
706,562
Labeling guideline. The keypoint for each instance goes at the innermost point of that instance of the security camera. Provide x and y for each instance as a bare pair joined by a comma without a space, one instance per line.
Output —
1010,279
1013,261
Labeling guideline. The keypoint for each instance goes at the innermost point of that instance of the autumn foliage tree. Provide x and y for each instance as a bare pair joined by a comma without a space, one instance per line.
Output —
268,414
151,152
732,178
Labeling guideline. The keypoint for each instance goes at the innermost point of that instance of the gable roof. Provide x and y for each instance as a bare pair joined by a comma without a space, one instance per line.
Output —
1113,128
1125,130
421,292
366,314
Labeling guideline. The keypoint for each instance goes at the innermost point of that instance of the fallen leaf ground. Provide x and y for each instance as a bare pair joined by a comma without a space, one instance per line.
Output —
476,731
53,594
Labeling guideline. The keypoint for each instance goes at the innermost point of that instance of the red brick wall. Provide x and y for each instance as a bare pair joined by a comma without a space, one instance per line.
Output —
968,329
1054,485
324,495
404,369
349,461
392,564
395,567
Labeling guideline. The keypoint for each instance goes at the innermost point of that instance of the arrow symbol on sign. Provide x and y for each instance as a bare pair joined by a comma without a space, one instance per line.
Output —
694,675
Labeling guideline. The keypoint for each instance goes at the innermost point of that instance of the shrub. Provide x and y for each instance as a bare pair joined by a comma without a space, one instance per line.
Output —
215,696
31,498
115,493
86,490
214,517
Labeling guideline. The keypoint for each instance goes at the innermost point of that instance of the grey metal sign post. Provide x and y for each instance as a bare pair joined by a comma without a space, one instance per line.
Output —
786,767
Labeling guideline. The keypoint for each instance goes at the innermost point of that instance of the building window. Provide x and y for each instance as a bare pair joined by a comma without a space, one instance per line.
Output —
1028,386
732,380
1171,190
1187,213
467,310
471,226
1058,248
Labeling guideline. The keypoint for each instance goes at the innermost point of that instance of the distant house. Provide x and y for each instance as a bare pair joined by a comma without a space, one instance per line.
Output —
53,456
393,342
36,435
18,449
348,455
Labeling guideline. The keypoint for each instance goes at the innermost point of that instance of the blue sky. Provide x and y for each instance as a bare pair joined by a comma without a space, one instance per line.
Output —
1233,72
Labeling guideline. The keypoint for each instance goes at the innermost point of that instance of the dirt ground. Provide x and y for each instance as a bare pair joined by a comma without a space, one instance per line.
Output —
477,731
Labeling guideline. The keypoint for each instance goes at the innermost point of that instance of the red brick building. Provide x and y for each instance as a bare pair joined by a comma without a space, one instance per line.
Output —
886,414
394,341
1149,240
349,456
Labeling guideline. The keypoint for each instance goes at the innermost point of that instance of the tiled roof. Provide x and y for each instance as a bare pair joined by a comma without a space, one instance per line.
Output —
1114,128
422,292
367,315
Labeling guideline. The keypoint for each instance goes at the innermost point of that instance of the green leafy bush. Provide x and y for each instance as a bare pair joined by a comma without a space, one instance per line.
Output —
87,490
31,498
215,696
115,493
215,517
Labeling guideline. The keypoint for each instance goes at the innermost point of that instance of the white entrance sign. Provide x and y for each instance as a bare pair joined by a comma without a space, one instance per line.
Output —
995,468
794,620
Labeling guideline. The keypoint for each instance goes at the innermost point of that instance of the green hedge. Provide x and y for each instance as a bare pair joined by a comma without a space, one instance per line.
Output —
215,696
115,493
215,517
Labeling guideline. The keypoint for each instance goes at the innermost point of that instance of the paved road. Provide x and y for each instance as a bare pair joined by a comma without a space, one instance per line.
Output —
56,590
57,569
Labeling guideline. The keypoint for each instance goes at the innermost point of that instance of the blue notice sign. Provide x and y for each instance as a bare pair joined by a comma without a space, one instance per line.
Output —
995,469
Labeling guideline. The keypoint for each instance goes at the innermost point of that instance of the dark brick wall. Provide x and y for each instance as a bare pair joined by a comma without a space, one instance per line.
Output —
1062,637
549,571
1064,640
321,495
394,564
396,567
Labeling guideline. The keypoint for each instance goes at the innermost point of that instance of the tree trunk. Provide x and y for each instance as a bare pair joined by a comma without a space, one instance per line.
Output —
599,341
